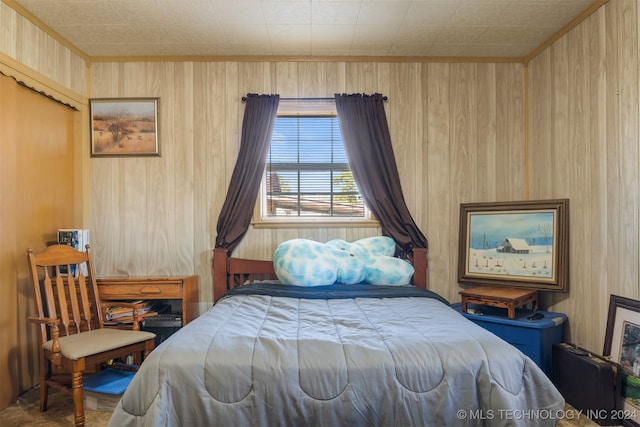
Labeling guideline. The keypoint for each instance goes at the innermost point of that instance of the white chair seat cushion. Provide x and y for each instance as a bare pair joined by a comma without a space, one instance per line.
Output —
96,341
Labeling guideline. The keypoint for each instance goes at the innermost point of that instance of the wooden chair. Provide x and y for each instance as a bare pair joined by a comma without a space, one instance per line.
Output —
73,340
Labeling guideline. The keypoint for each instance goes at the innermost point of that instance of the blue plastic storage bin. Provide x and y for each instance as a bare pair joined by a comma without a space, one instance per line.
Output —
533,337
108,381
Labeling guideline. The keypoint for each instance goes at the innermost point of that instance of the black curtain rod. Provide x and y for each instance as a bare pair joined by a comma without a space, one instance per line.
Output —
244,99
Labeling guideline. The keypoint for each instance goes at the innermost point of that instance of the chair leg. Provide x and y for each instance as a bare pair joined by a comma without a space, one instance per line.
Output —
78,398
44,387
149,346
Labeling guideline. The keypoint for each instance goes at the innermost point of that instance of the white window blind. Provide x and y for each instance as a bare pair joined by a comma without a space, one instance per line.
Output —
307,171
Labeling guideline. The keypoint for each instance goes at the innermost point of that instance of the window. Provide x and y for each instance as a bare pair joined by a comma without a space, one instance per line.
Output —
307,174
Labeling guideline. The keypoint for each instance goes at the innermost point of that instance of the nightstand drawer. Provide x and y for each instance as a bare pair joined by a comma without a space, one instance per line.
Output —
140,291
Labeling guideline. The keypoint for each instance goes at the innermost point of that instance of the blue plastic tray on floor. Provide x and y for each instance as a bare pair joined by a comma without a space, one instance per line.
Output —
109,381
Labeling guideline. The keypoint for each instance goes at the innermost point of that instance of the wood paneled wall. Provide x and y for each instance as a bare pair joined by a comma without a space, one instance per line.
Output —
584,145
457,130
459,135
25,42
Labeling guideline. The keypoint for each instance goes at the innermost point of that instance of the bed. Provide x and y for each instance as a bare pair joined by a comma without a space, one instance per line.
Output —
269,354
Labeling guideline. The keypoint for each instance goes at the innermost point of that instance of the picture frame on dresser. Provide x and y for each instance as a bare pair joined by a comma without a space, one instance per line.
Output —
123,127
515,244
622,345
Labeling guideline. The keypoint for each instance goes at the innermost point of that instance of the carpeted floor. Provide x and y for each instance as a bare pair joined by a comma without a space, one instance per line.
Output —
25,413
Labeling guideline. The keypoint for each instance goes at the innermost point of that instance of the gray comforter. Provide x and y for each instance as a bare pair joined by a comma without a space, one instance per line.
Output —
263,360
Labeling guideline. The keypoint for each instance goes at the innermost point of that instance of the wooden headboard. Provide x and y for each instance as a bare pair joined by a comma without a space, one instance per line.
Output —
229,272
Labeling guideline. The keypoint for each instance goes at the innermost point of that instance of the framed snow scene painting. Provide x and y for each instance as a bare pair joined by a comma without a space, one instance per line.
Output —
516,244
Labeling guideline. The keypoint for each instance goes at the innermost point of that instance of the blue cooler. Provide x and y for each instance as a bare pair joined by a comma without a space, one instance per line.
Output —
534,338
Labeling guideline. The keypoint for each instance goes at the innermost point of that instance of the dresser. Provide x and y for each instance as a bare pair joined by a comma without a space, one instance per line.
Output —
179,291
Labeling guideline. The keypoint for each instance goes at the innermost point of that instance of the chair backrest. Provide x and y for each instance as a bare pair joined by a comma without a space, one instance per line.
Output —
64,283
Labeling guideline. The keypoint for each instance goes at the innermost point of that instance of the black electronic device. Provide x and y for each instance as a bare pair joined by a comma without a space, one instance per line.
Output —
535,316
163,325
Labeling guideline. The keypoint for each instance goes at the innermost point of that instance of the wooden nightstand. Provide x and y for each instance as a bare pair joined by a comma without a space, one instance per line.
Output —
509,298
184,289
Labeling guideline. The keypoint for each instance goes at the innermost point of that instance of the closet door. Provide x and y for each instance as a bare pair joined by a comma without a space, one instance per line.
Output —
8,237
36,198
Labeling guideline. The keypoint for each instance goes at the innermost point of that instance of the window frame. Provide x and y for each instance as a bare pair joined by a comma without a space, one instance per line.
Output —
261,220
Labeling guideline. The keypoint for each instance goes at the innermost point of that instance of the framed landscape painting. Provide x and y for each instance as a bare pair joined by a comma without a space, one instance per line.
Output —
622,345
516,244
124,127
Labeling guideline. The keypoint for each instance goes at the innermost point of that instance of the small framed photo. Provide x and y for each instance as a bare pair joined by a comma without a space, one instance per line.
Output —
622,345
124,127
522,244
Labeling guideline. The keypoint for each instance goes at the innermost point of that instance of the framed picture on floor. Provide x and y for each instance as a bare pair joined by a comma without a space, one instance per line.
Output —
622,344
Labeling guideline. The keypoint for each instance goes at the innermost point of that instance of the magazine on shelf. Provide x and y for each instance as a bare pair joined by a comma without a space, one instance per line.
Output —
124,314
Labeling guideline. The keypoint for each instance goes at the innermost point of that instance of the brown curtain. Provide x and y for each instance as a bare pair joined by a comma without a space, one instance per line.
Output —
367,143
257,126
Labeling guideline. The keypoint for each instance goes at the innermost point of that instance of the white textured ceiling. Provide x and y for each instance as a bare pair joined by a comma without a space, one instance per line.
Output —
433,28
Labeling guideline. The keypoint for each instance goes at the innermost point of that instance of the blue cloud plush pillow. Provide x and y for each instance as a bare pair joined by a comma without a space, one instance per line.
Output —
304,262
